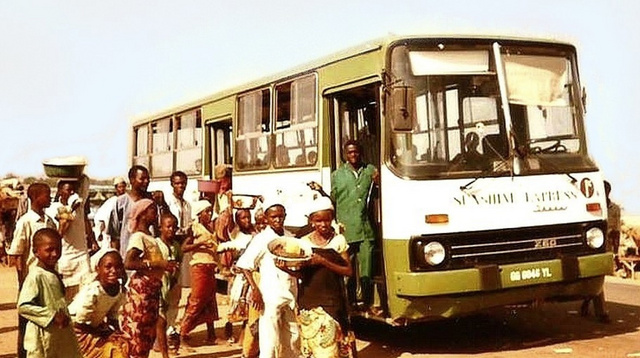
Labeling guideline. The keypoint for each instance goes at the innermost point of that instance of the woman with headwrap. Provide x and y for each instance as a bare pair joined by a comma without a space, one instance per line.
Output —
94,310
144,257
201,304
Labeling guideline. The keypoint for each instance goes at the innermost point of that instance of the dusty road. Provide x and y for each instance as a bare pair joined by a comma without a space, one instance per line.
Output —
553,330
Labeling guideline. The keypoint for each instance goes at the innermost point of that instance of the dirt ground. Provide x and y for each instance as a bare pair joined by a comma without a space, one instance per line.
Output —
552,330
9,322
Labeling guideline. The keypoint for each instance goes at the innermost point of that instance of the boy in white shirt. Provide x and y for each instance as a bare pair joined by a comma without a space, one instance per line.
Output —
276,293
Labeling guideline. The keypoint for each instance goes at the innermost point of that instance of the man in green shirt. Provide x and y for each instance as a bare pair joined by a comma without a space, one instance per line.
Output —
351,187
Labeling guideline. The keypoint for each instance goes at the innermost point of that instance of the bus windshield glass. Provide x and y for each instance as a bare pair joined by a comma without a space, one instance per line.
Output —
445,107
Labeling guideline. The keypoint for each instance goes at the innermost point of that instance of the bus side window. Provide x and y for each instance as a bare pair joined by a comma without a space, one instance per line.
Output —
188,149
296,122
162,135
253,136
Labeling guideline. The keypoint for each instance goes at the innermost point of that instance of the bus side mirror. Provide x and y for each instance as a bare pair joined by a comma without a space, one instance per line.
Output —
584,99
402,108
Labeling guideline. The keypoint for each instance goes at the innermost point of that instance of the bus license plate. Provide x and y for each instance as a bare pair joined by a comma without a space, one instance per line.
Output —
531,274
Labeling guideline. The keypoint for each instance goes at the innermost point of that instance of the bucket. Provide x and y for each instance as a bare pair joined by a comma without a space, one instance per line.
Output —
209,186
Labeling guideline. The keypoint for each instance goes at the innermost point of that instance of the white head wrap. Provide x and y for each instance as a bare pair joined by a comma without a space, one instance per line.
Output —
95,258
319,204
118,180
271,201
198,207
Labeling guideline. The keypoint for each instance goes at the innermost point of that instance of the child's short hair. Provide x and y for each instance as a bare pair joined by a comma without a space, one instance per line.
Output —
167,214
36,189
134,170
352,142
178,174
239,211
43,234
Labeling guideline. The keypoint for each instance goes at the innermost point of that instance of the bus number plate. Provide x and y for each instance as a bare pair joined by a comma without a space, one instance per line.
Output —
530,274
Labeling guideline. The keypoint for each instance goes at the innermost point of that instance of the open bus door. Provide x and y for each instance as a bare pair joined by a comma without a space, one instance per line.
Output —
356,115
220,137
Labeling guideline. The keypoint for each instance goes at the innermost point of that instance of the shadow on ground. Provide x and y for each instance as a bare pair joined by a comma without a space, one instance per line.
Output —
496,331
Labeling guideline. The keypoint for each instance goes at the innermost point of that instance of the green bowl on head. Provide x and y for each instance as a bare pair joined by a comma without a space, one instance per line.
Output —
64,167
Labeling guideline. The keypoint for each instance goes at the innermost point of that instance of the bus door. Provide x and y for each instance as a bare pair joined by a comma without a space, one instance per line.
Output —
355,114
221,140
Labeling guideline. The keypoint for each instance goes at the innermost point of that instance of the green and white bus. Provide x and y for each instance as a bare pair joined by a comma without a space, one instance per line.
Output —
487,195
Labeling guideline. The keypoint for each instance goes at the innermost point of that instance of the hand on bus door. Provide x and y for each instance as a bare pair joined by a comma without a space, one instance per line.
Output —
314,186
376,177
317,187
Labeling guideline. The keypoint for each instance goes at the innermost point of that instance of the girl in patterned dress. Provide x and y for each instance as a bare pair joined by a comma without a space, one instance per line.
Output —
143,256
321,298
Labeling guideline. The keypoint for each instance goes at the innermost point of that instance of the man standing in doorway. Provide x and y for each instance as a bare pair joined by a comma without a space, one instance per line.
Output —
351,187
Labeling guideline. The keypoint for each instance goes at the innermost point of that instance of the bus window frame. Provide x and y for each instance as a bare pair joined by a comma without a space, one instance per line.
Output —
240,135
197,141
140,158
157,156
299,127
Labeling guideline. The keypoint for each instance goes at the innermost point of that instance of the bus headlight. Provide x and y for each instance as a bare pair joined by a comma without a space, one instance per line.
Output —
595,238
434,253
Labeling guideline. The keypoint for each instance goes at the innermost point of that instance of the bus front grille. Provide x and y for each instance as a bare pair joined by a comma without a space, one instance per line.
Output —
506,246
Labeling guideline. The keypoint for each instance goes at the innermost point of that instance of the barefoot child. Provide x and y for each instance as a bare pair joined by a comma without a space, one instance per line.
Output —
202,306
274,295
240,232
171,288
42,303
20,252
94,310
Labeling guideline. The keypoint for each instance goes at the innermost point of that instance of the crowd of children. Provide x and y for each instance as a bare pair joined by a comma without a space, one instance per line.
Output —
128,301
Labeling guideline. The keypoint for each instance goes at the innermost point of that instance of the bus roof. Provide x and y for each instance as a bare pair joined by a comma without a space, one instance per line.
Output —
368,46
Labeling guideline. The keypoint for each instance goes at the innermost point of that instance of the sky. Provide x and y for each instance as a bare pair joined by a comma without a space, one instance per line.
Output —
74,73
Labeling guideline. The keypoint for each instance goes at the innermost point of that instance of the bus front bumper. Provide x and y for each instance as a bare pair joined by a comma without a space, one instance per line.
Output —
438,295
495,277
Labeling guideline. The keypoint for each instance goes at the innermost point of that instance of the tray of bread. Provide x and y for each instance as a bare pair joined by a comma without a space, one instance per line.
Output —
290,250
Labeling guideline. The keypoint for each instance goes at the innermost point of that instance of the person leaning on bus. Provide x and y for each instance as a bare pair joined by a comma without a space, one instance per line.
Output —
351,187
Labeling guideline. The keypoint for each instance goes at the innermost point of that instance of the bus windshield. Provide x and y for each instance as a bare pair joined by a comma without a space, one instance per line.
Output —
447,117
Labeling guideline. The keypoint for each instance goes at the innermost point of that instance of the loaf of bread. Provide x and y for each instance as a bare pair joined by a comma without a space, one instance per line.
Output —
288,249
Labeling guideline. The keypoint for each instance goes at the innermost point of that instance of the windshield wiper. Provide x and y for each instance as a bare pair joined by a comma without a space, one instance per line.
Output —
494,168
556,147
464,187
553,166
